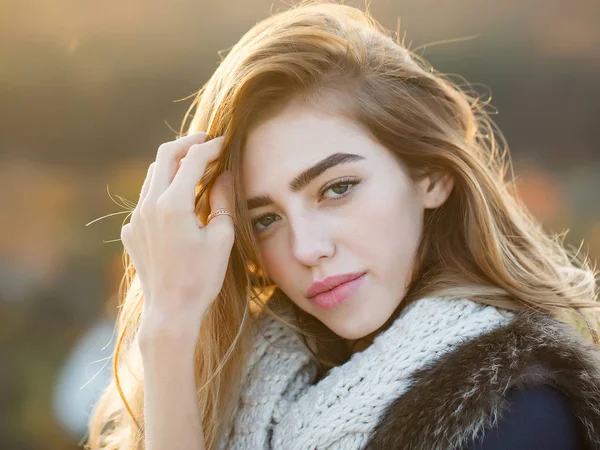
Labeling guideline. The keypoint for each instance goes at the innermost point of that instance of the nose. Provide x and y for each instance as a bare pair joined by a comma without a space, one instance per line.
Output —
311,240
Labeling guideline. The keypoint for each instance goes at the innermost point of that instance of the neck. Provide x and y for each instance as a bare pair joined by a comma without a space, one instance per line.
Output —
358,345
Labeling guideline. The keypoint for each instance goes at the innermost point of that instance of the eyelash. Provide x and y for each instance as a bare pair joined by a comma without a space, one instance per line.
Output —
352,182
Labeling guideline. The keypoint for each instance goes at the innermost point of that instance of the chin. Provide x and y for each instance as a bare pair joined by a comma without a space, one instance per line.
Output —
355,324
357,330
352,335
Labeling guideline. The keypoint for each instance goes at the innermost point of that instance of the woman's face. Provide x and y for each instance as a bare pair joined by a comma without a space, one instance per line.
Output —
327,200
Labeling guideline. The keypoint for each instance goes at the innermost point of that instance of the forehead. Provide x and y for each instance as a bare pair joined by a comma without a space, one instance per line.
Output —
295,139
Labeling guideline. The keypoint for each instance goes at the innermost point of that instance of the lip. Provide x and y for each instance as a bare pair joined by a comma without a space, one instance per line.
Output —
330,282
340,292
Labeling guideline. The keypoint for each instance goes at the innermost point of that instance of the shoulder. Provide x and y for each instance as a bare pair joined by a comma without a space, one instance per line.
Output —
466,390
537,417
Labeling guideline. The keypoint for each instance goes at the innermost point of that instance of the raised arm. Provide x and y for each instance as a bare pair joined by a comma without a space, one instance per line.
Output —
181,264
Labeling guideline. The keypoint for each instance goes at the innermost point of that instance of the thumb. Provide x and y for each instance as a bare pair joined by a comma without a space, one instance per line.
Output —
221,197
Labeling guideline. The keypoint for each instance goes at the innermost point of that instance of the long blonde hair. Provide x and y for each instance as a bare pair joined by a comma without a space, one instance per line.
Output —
482,243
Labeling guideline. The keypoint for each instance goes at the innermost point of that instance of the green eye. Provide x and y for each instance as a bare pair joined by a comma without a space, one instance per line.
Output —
264,220
341,188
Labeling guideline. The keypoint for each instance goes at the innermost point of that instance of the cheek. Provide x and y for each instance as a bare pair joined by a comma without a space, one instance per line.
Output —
392,230
274,261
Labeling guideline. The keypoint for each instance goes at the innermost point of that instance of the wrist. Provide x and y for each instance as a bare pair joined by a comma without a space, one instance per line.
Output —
168,331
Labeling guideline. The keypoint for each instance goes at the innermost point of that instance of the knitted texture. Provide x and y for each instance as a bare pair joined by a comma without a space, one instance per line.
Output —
281,406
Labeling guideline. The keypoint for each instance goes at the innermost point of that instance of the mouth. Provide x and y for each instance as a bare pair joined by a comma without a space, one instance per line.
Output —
340,288
331,282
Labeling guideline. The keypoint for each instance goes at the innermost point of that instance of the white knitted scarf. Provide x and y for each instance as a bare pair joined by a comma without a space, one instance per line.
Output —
282,409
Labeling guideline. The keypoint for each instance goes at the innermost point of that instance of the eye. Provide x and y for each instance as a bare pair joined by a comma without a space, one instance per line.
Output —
341,188
261,221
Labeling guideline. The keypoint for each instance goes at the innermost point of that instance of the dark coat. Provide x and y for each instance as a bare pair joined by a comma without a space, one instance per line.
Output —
460,394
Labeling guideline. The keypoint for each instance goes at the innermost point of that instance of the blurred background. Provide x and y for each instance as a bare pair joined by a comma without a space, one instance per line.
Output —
89,90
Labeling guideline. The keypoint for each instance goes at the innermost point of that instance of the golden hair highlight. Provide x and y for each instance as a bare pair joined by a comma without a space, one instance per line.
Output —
482,243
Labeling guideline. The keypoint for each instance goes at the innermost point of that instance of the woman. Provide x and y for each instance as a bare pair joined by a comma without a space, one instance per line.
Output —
401,295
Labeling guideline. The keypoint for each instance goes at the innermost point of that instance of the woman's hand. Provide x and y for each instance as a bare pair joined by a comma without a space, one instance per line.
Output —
181,262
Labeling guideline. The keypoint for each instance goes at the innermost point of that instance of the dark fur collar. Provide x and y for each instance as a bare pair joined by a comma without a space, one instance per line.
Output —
458,395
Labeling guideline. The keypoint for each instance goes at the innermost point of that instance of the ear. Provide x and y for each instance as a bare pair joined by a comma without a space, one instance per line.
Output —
435,188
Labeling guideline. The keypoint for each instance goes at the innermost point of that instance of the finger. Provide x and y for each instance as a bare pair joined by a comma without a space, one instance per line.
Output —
221,196
167,161
143,193
146,184
181,191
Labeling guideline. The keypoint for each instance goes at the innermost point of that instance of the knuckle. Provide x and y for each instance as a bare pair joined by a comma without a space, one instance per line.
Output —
195,148
164,150
198,152
193,155
216,145
135,215
146,210
126,232
225,233
211,147
167,206
162,205
135,218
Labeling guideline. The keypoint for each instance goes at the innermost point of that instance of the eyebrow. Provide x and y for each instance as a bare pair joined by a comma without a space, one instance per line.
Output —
304,178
